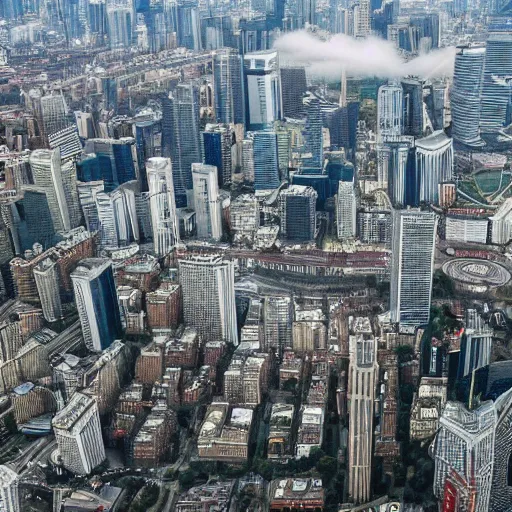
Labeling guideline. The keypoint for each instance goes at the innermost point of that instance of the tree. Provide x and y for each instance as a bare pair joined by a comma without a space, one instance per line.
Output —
327,467
186,478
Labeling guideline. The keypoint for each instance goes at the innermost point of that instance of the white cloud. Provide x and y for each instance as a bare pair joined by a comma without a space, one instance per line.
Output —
360,57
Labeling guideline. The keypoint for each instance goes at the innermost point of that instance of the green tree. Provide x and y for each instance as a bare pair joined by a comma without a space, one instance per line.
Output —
327,467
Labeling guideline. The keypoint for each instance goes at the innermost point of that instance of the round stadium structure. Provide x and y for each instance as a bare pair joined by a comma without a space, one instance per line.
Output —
475,275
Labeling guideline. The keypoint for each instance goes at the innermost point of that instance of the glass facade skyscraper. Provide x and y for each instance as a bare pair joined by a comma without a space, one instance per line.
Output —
228,87
266,161
97,303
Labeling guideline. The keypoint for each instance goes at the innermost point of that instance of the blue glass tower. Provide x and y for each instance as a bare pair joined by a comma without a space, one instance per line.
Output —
266,161
97,303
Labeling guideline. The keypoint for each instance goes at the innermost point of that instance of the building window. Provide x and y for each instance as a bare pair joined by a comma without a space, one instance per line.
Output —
509,471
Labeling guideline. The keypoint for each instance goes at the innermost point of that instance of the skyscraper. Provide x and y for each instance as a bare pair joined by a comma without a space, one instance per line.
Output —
189,27
412,263
314,136
59,184
207,201
54,112
297,209
362,382
390,110
180,136
97,303
208,284
115,161
495,101
466,94
294,86
413,107
463,454
346,210
263,102
434,164
218,144
120,17
48,286
266,161
228,82
77,430
162,205
362,18
9,493
278,319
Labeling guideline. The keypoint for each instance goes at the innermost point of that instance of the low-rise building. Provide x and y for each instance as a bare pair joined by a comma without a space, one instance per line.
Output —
280,443
305,494
311,430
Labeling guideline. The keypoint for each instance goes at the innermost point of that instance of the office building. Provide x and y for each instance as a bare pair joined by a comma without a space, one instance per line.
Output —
311,430
163,306
362,387
475,345
9,492
463,455
314,157
180,136
97,303
120,23
248,160
413,107
115,162
362,18
218,142
501,223
434,164
68,141
374,227
149,367
277,318
466,94
207,201
412,260
208,285
59,183
46,276
297,209
77,430
396,169
228,87
263,102
162,205
495,110
266,161
244,214
390,110
346,210
467,229
188,25
293,86
54,114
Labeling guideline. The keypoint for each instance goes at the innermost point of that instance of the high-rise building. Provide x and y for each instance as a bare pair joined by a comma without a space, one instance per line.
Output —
208,284
413,107
294,86
46,276
263,102
121,23
266,161
495,100
180,136
476,344
218,141
162,205
244,214
390,110
59,183
228,87
115,159
463,454
434,165
278,319
396,169
54,114
314,136
362,383
9,493
412,263
207,201
346,210
97,303
77,430
297,209
362,18
188,25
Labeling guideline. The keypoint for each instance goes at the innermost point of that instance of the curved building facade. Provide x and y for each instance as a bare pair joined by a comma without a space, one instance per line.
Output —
465,95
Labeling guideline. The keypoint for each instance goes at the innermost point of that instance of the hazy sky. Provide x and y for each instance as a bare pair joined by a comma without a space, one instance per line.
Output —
363,57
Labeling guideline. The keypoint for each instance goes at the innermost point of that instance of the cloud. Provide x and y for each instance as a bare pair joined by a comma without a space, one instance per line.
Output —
360,57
